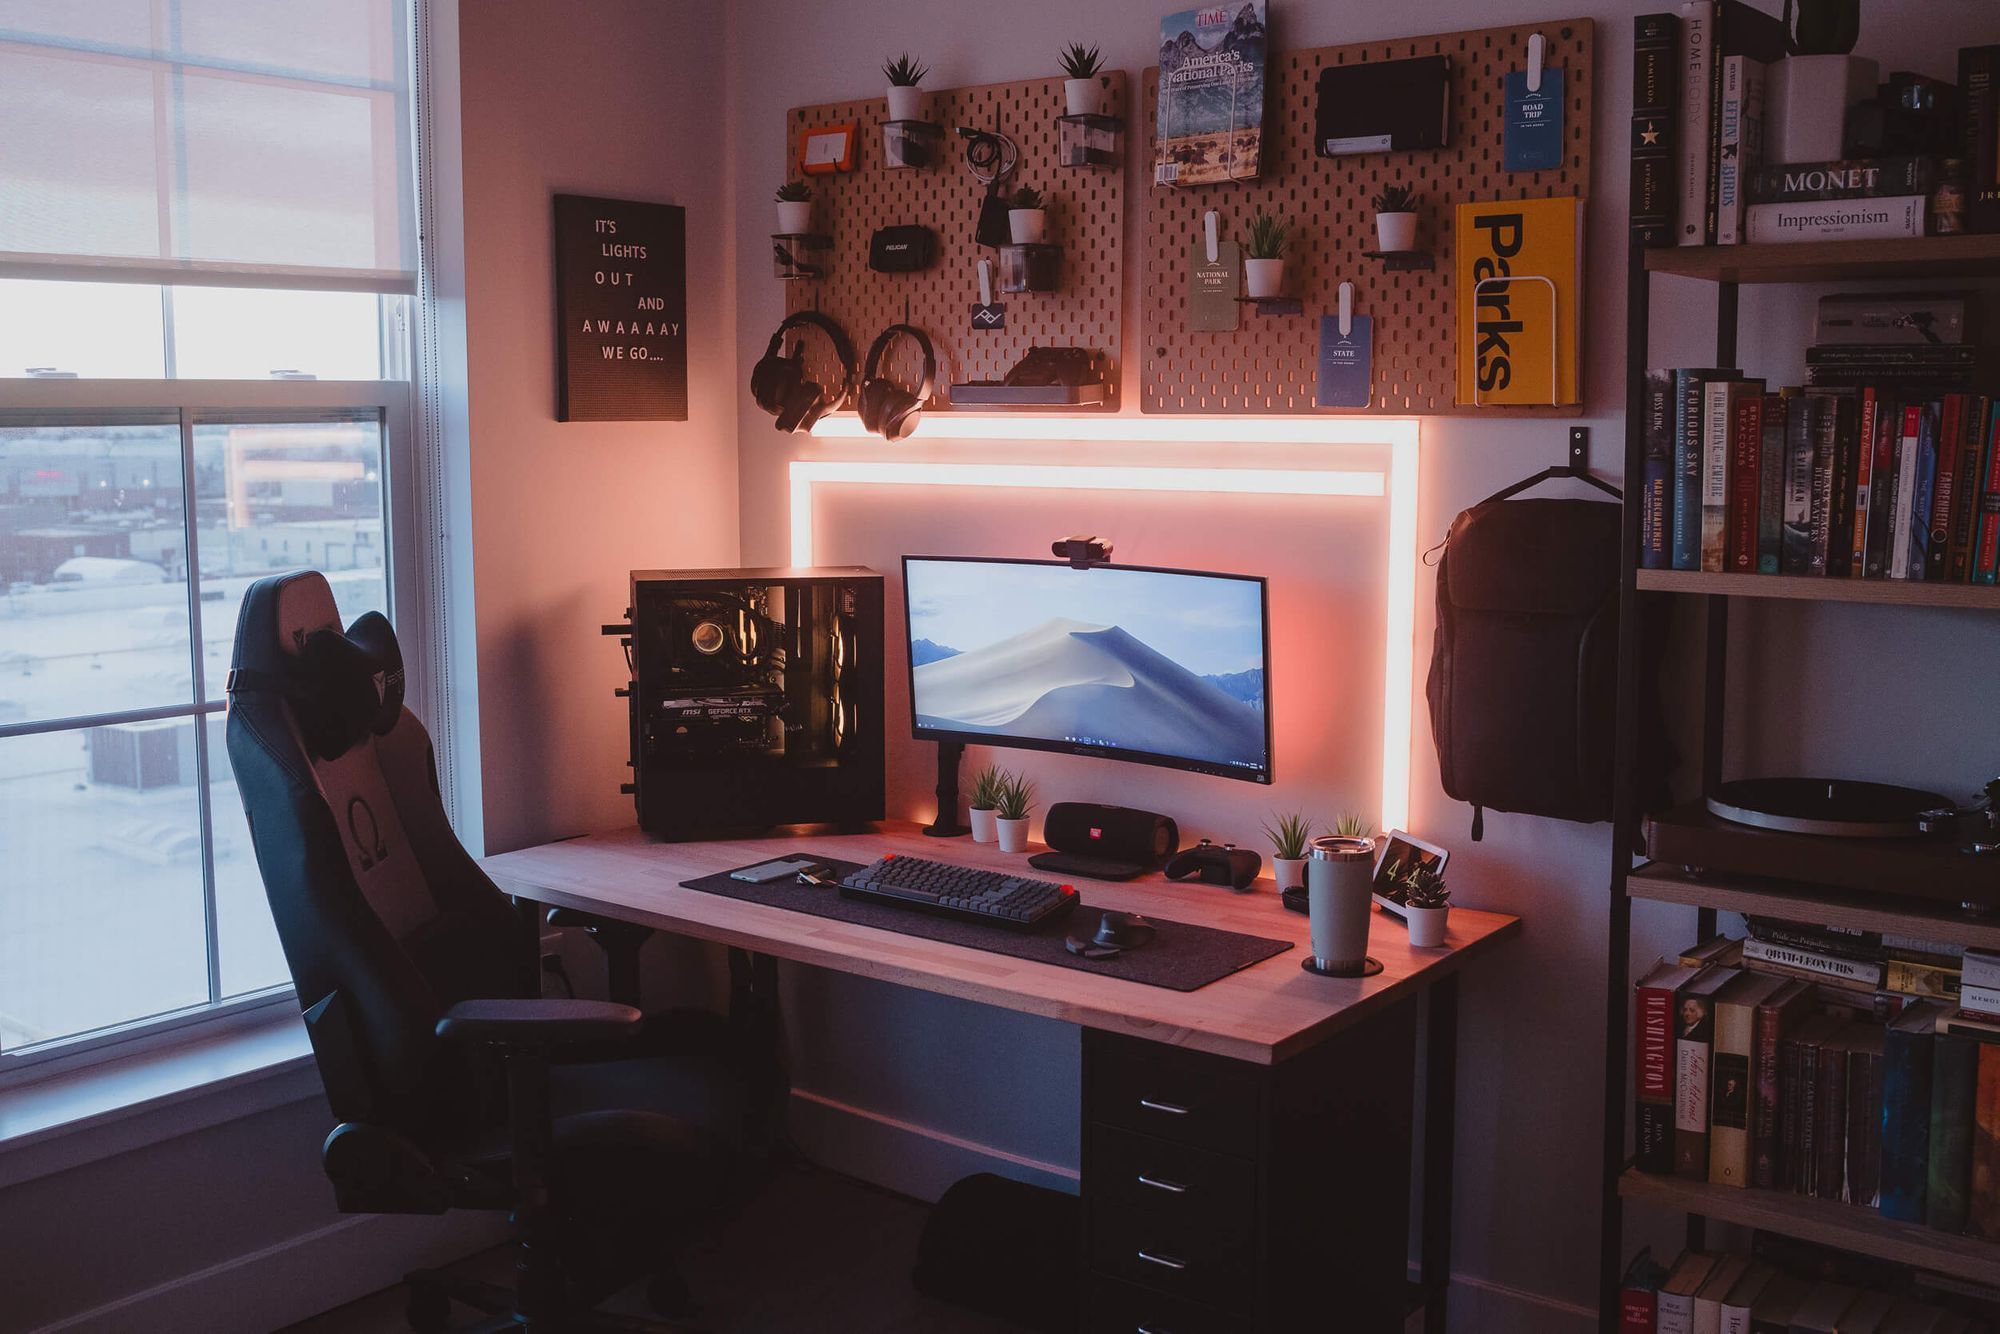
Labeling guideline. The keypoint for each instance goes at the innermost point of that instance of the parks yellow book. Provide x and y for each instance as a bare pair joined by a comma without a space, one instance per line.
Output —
1517,339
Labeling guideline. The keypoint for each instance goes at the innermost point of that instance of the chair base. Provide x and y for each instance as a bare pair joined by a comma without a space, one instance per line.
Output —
431,1294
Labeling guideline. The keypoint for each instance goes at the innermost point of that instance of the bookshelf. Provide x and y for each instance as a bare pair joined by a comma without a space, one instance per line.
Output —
1786,893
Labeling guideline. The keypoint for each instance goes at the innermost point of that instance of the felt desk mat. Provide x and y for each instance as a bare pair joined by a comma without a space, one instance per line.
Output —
1179,957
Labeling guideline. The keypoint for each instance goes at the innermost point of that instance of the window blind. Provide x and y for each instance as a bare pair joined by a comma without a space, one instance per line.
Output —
235,142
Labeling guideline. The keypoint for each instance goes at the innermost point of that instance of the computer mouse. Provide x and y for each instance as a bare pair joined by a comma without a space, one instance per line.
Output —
1122,930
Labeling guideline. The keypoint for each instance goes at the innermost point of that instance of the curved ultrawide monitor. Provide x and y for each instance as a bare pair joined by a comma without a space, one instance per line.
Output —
1167,667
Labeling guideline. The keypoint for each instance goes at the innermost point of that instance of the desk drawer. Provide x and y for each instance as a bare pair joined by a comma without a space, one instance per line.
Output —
1123,1308
1178,1258
1190,1097
1196,1189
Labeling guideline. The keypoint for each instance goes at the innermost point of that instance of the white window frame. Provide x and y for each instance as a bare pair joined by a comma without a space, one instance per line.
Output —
195,402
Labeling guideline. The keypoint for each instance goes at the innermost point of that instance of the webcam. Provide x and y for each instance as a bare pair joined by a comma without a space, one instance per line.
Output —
1082,552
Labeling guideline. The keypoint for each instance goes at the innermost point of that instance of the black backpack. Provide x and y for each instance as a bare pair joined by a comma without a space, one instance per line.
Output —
1524,667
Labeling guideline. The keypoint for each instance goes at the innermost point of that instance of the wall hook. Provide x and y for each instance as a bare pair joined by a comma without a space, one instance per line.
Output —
1211,223
985,282
1346,309
1535,49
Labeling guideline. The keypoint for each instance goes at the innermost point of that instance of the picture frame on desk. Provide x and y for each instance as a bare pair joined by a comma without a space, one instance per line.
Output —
1398,847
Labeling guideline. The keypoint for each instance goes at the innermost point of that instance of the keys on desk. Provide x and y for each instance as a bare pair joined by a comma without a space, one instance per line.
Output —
966,892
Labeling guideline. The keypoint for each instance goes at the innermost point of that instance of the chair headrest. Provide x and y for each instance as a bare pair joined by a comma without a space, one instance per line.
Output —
340,685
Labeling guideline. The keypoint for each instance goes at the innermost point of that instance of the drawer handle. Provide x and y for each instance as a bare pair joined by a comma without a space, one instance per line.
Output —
1166,1107
1172,1188
1153,1329
1164,1261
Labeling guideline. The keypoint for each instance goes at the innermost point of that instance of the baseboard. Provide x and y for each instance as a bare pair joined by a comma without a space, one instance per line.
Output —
914,1160
296,1278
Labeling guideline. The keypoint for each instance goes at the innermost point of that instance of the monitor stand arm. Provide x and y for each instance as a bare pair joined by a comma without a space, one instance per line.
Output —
946,825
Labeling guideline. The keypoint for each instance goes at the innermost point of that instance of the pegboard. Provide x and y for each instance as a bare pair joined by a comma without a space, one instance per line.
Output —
1086,218
1270,364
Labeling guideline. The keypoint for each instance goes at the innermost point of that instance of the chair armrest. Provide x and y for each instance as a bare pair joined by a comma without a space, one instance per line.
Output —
537,1023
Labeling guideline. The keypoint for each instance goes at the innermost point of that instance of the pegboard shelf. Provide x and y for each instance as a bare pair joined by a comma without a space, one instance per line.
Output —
1272,367
1403,261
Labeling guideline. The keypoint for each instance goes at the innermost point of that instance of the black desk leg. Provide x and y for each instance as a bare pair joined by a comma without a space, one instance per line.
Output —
1440,1117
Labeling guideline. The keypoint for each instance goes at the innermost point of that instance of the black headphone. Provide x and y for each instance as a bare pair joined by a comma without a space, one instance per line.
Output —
778,381
886,408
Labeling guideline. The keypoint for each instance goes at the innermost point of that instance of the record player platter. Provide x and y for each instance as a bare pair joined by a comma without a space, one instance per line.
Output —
1833,807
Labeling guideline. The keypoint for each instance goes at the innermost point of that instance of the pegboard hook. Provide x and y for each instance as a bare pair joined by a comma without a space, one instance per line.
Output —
1535,48
1346,309
1211,225
985,282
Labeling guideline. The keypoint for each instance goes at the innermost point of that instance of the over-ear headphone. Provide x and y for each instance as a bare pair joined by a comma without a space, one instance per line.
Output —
778,381
886,408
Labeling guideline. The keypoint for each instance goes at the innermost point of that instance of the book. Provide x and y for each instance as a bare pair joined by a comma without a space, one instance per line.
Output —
1823,422
1690,384
1834,220
1937,543
1694,1041
1655,521
1718,399
1870,1309
1655,127
1740,30
1864,476
1730,1079
1884,321
1697,37
1923,487
1982,1002
1792,1146
1864,1117
1983,1201
1908,1042
1639,1293
1897,538
1744,473
1742,141
1847,941
1674,1308
1979,96
1954,1087
1879,356
1727,950
1791,961
1844,439
1778,1017
1860,178
1772,1312
1771,480
1738,1305
1795,542
1508,329
1971,441
1830,1112
1723,1276
1210,124
1653,1062
1986,543
1883,504
1921,978
1823,1307
1980,968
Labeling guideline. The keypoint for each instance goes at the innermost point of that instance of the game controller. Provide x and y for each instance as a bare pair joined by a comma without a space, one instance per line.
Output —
1216,864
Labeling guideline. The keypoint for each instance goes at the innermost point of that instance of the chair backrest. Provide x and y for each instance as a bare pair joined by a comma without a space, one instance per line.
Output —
385,920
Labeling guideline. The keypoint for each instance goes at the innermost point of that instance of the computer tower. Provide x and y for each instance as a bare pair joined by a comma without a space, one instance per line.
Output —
756,698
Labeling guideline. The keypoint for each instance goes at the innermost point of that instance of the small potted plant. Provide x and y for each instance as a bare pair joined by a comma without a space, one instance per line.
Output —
906,93
1017,799
1396,219
1290,834
1027,216
1082,93
795,208
1264,267
1426,905
986,786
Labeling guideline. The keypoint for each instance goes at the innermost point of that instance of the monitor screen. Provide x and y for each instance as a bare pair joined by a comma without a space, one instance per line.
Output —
1158,666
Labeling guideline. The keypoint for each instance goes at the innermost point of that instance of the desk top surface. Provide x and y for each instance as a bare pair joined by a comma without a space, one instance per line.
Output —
1263,1013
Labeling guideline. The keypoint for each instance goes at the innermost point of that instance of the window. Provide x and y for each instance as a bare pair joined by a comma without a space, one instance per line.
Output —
207,255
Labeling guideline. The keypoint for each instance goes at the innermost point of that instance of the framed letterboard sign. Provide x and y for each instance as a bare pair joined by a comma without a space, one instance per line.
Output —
621,310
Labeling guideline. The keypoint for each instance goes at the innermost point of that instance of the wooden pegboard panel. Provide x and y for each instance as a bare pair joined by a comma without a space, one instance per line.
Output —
1086,218
1271,363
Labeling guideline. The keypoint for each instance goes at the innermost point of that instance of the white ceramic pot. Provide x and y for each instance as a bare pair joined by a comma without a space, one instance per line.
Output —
1806,99
1396,232
795,217
1289,871
982,823
1028,226
1083,97
1426,925
906,102
1013,834
1263,278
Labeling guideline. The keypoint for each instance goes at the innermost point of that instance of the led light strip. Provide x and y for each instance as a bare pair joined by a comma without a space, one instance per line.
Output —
1150,430
1399,485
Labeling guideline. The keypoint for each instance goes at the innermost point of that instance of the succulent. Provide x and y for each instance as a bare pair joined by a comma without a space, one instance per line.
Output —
1823,27
1080,62
986,786
1396,199
1424,887
905,71
794,192
1352,825
1026,197
1289,833
1269,234
1017,798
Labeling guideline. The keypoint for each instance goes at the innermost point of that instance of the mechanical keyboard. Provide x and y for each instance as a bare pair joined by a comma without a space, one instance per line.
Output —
970,893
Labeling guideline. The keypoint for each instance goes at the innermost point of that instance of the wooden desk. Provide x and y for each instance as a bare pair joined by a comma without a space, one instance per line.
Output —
1281,1103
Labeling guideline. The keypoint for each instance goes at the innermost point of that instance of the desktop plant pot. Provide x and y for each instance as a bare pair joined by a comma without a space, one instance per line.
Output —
1805,105
1263,278
1083,97
1426,925
906,101
1028,226
1013,834
795,217
1397,232
1339,884
1289,871
983,819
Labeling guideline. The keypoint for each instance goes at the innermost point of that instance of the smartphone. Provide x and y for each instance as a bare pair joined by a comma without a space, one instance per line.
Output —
765,873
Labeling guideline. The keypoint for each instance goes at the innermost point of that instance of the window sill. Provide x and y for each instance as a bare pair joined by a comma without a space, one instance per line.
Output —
78,1117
